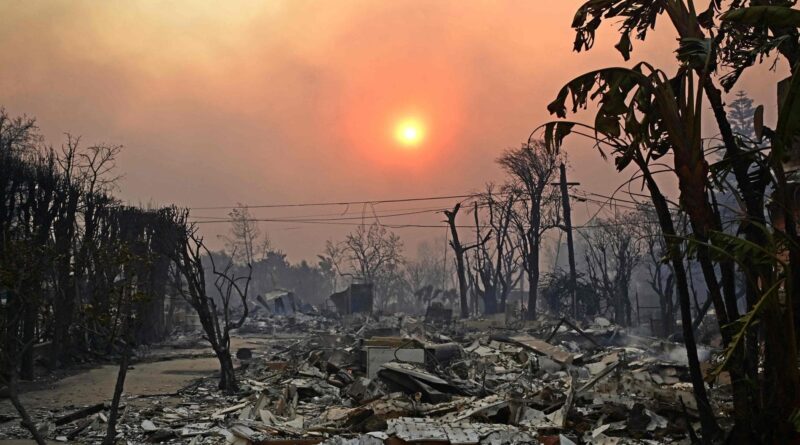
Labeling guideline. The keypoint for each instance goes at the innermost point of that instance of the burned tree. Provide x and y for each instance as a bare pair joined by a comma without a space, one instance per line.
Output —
371,255
14,347
612,253
459,250
90,169
65,243
661,274
217,321
127,294
532,168
496,263
427,275
245,241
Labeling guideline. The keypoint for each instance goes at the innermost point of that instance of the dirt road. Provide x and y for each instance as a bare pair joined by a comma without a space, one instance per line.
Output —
165,371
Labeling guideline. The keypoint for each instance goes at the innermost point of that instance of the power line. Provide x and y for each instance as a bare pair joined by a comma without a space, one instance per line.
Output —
416,226
606,203
340,219
340,203
389,201
337,223
347,211
345,218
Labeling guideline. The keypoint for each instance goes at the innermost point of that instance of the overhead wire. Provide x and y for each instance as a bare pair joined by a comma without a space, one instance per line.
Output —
339,220
317,215
336,203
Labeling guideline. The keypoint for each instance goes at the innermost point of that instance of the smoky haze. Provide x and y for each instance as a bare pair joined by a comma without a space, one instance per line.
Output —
294,101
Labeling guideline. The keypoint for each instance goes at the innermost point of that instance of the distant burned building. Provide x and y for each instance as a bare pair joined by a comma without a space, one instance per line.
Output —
356,299
279,302
438,314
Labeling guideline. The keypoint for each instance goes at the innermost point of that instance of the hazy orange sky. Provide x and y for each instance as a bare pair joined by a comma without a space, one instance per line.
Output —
290,101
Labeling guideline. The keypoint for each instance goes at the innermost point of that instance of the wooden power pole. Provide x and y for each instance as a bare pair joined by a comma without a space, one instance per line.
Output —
573,279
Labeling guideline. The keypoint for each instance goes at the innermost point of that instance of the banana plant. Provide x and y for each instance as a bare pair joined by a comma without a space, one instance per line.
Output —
643,114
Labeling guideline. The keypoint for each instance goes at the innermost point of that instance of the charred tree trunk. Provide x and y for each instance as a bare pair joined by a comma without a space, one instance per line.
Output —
708,422
621,306
782,389
533,283
458,250
9,374
153,327
702,221
113,415
28,340
692,172
27,422
62,314
745,363
66,291
489,298
217,324
667,308
227,377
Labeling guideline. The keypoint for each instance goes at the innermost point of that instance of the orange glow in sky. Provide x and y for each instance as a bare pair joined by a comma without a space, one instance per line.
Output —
410,132
383,99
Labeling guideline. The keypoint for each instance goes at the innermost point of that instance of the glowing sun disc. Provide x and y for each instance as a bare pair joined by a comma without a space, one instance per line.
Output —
409,132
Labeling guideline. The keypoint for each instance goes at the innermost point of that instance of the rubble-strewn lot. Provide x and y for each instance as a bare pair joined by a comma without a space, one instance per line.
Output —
398,380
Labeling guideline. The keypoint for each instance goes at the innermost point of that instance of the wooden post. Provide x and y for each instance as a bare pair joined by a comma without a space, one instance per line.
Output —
573,279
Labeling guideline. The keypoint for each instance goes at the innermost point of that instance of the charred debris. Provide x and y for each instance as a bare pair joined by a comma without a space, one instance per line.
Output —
354,378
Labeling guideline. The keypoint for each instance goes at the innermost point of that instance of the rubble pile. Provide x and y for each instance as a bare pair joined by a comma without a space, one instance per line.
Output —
396,380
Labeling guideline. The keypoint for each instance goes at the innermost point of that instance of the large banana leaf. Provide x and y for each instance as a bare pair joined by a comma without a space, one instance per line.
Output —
774,16
699,54
627,118
637,17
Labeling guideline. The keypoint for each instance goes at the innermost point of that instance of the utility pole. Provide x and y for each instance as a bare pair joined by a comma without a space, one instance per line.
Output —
573,279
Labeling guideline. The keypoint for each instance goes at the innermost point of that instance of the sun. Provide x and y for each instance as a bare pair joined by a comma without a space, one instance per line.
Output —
409,132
